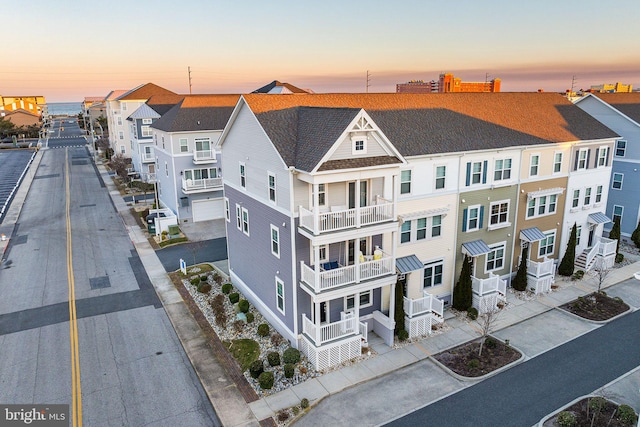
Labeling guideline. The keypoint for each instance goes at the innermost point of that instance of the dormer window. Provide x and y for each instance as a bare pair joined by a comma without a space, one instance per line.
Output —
358,144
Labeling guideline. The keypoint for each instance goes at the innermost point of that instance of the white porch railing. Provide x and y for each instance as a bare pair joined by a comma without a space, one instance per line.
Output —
204,156
345,218
322,280
195,185
491,284
364,332
322,334
425,305
606,246
591,255
540,269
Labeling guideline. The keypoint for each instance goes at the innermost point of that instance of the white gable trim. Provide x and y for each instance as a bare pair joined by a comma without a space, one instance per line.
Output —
611,107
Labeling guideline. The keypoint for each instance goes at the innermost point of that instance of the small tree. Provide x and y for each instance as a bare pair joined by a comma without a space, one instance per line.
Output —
567,264
602,271
399,308
635,236
195,247
462,292
614,234
487,323
519,283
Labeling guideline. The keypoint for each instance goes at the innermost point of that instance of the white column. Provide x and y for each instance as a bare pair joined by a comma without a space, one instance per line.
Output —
357,200
392,303
316,268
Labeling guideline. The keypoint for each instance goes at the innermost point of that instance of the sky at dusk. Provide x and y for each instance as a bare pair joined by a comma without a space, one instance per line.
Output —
66,50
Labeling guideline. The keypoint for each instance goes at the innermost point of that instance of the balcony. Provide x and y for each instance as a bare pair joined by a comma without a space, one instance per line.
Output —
421,314
333,275
204,156
331,344
488,292
541,275
191,186
341,218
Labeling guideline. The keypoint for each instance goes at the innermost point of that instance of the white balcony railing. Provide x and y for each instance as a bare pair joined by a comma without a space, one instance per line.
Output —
201,185
204,156
426,305
322,334
489,285
340,218
321,280
540,269
606,246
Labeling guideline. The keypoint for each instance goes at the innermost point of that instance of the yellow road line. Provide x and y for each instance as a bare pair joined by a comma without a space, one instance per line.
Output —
76,391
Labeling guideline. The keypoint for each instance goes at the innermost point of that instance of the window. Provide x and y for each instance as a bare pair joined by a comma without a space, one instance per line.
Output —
405,232
119,120
123,149
245,221
323,252
358,145
557,162
199,174
405,182
275,241
576,199
502,170
238,217
120,134
495,258
433,273
280,295
543,205
227,211
146,121
616,183
243,178
617,213
272,186
499,213
436,225
421,229
146,131
587,196
473,220
598,193
476,172
366,300
535,161
124,106
184,145
546,244
441,172
578,233
203,144
583,156
602,156
621,148
322,195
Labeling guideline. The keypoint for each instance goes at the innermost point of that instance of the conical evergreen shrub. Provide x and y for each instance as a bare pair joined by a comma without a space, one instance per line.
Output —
462,292
519,283
635,236
567,265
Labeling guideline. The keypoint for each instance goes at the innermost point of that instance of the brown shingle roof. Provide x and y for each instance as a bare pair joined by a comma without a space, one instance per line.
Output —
144,92
627,103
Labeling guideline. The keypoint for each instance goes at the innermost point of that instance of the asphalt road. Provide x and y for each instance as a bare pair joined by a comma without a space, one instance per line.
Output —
204,251
133,369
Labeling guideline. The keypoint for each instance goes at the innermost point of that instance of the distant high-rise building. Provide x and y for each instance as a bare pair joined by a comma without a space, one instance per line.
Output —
447,82
612,88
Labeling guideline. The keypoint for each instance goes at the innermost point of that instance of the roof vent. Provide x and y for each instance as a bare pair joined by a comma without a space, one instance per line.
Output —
198,122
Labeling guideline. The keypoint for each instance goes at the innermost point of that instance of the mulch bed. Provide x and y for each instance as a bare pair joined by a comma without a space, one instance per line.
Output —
596,306
589,418
464,359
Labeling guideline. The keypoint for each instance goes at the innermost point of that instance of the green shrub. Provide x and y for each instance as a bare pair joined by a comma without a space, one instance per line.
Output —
627,415
263,329
250,317
273,357
289,370
567,419
619,258
295,410
243,305
403,335
472,313
195,281
291,355
226,288
491,342
578,275
234,297
256,368
204,287
265,380
473,364
304,403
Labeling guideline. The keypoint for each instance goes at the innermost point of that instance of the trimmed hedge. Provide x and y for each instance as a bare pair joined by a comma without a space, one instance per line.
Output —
266,380
250,317
291,355
289,370
243,305
256,368
226,288
234,297
263,329
273,357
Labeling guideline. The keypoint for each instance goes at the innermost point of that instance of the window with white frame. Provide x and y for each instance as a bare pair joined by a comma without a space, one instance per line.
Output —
582,159
547,244
587,196
275,241
405,182
441,173
557,162
476,172
405,232
238,217
616,182
502,170
358,145
617,213
227,210
495,257
280,295
598,193
203,144
243,177
421,228
272,186
433,273
543,205
198,174
146,131
322,195
123,149
245,221
621,148
119,120
534,164
575,202
436,225
578,233
323,253
120,134
184,145
147,121
425,228
499,213
366,300
602,156
473,218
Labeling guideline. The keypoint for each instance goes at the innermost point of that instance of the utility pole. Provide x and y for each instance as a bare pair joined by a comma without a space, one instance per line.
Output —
368,81
573,83
189,69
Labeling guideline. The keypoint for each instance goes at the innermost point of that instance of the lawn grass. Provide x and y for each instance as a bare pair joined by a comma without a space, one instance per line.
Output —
245,351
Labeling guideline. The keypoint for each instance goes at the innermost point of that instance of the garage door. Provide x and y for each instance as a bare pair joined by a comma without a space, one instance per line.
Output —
204,210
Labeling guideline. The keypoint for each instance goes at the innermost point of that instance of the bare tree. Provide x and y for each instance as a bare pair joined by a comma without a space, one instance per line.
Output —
195,247
487,322
602,271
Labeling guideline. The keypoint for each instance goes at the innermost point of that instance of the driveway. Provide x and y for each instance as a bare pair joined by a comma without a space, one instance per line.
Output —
211,250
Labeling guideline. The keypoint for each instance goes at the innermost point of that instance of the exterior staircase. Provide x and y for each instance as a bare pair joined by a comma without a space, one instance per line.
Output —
581,261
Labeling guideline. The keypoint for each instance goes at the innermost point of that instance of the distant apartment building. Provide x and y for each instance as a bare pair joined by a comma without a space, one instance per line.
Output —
447,82
612,88
33,104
